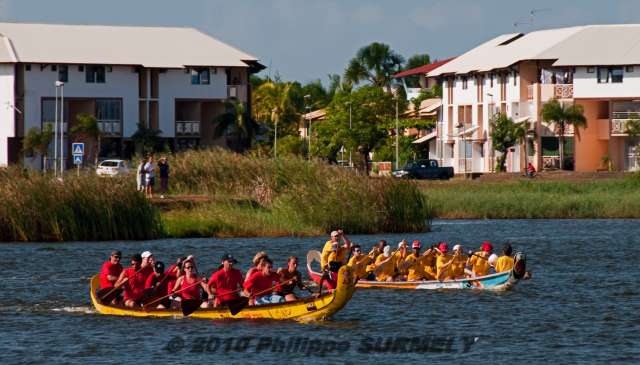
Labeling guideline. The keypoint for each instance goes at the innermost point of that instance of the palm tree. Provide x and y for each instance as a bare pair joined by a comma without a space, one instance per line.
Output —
375,63
38,141
563,116
505,133
272,102
86,126
238,122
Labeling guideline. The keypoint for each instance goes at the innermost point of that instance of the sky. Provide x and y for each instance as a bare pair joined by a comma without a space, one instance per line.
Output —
306,40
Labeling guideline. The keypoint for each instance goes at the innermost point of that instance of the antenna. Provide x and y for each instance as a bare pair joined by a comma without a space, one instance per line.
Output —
530,22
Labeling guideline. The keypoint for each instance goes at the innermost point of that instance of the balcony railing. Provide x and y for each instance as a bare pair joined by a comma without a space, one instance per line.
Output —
563,91
188,128
110,128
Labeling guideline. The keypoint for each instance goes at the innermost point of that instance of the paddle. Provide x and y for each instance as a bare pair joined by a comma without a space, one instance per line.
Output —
237,305
150,293
175,292
113,292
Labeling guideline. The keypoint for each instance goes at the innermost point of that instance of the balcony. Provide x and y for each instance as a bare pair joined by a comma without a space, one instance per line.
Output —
237,92
188,128
110,128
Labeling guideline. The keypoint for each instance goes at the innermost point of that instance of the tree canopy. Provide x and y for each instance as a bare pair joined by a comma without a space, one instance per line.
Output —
375,63
505,133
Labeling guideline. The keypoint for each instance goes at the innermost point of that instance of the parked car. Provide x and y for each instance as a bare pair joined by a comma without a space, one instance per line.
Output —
113,168
424,169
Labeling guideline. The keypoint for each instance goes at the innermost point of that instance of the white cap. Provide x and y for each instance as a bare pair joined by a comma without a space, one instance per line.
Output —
146,254
402,244
335,234
492,259
457,247
387,251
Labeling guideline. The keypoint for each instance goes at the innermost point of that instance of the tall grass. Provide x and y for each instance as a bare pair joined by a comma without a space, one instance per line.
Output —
619,198
36,207
293,192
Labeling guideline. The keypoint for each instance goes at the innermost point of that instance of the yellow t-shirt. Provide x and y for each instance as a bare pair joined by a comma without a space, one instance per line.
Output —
457,267
360,265
399,258
387,270
480,266
504,263
430,267
416,267
338,256
443,273
326,251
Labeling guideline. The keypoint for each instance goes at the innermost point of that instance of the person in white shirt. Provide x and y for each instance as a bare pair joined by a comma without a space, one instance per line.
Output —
150,176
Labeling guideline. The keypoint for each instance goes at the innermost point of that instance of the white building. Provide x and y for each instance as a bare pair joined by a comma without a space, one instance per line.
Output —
172,79
516,74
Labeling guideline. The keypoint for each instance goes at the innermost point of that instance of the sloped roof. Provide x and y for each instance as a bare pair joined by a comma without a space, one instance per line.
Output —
319,114
166,47
506,50
424,69
428,107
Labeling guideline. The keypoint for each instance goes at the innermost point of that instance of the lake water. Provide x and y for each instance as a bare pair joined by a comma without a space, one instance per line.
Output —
582,305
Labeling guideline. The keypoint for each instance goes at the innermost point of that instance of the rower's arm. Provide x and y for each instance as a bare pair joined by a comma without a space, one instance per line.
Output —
177,284
120,280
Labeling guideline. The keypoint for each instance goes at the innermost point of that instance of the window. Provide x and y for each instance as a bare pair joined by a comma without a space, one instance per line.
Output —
629,69
591,70
610,74
200,76
515,78
63,73
94,74
491,78
464,82
108,113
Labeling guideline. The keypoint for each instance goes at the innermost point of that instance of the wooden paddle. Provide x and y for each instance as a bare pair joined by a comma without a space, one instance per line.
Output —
237,305
112,293
150,293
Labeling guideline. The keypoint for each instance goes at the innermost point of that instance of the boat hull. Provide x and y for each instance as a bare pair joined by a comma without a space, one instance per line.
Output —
304,310
499,281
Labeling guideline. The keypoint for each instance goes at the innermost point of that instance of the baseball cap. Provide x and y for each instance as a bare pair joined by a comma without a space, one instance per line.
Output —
457,247
443,247
228,257
402,243
116,253
146,254
486,246
416,244
387,251
335,234
492,259
159,266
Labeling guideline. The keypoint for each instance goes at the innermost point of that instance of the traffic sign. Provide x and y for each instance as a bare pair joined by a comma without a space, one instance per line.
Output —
77,159
77,149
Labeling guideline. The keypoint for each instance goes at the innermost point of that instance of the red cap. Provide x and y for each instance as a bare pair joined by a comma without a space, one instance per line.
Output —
486,246
416,244
443,247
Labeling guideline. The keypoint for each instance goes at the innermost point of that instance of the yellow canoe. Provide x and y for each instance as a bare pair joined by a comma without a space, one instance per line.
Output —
303,310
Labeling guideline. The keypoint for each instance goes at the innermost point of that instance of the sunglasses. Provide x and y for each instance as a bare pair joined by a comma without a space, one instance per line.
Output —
116,257
188,267
357,251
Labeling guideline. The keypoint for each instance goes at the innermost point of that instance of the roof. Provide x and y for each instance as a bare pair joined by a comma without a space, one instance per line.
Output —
424,69
428,107
319,114
165,47
428,137
617,44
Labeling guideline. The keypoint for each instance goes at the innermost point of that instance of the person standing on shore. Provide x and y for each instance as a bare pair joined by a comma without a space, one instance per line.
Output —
163,167
140,176
150,176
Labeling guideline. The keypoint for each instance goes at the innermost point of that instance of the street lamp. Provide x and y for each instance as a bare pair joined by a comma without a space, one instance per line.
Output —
60,85
275,137
307,109
350,161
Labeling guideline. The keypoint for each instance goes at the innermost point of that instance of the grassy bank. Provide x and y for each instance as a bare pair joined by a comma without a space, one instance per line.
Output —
616,198
39,208
287,196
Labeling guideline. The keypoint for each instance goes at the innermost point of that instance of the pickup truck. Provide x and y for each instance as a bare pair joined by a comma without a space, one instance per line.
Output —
424,169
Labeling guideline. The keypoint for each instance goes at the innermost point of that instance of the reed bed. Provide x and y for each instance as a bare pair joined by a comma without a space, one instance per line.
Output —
619,198
291,196
37,207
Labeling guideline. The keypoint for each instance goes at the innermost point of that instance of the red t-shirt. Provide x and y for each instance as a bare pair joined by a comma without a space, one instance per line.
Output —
226,283
109,268
134,287
192,290
260,283
159,282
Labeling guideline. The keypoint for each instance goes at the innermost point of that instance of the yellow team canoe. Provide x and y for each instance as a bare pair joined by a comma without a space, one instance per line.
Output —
303,310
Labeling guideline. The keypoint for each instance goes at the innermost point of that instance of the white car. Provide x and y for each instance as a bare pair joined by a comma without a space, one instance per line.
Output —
112,168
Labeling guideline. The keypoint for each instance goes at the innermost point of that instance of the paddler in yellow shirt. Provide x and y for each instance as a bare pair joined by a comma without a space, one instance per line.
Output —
399,257
359,262
505,262
479,260
459,261
444,262
329,247
416,263
384,266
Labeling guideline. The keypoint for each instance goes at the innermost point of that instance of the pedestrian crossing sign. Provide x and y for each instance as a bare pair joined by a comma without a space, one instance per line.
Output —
77,159
77,149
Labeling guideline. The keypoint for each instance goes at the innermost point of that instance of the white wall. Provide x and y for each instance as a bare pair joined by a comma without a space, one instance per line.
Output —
585,85
122,83
7,115
176,84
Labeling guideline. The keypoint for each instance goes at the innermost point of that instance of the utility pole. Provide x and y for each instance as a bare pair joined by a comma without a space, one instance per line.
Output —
397,134
307,109
55,136
60,84
350,161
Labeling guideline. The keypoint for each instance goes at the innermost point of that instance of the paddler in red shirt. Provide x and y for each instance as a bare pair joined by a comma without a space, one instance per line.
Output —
157,285
188,285
261,284
226,283
133,281
109,273
147,263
